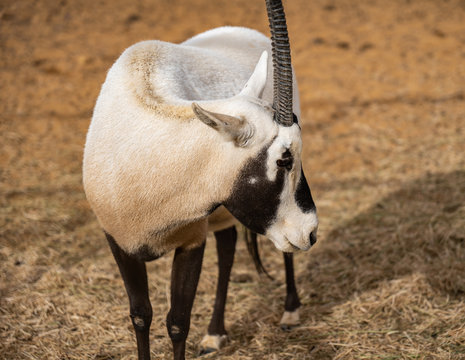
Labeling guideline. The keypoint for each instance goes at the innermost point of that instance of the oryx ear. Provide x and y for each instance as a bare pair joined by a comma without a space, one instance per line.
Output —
256,83
232,128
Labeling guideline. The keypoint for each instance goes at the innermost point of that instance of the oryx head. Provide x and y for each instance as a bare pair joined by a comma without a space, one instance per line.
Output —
271,195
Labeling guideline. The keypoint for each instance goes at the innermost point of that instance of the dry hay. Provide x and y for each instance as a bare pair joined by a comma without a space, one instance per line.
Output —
383,126
387,284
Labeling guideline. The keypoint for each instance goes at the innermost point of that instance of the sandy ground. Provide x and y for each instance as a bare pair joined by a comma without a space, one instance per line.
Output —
382,92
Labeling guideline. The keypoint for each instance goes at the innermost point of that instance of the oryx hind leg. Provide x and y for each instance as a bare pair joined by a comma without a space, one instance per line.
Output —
185,273
290,318
134,275
217,335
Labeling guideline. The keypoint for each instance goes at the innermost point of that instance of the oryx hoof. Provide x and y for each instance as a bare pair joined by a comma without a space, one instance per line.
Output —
212,343
290,320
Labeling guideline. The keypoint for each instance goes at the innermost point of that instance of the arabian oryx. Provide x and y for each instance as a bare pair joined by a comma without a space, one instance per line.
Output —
187,138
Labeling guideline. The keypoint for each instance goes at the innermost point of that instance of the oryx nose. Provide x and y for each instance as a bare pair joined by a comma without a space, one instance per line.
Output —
312,238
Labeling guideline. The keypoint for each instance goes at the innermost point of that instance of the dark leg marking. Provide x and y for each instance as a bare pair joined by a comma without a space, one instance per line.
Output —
292,298
134,275
225,247
184,279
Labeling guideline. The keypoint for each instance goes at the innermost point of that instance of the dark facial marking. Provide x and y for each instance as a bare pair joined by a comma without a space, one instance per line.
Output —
255,204
303,196
294,119
286,160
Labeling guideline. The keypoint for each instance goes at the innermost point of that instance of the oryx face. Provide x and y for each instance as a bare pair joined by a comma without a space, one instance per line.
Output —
271,196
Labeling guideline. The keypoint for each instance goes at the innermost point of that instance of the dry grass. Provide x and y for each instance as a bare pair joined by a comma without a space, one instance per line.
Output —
383,126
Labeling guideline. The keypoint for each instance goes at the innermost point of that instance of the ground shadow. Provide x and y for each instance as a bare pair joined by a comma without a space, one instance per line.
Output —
420,228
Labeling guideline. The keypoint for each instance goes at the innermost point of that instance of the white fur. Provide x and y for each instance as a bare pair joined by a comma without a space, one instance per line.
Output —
290,318
215,342
288,139
252,180
292,227
151,170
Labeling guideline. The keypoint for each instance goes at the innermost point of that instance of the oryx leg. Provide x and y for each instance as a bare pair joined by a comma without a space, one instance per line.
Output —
217,335
134,275
290,317
185,273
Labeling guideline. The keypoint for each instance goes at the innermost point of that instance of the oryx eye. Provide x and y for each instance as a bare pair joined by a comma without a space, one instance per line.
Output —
286,160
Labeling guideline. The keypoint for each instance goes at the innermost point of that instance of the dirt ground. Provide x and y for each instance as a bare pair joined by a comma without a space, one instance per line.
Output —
382,92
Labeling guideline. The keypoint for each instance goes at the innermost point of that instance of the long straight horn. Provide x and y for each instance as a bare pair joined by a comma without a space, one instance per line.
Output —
282,70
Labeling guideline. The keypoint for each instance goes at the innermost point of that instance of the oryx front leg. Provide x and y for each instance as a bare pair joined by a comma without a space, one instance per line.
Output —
184,279
291,316
217,335
134,275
